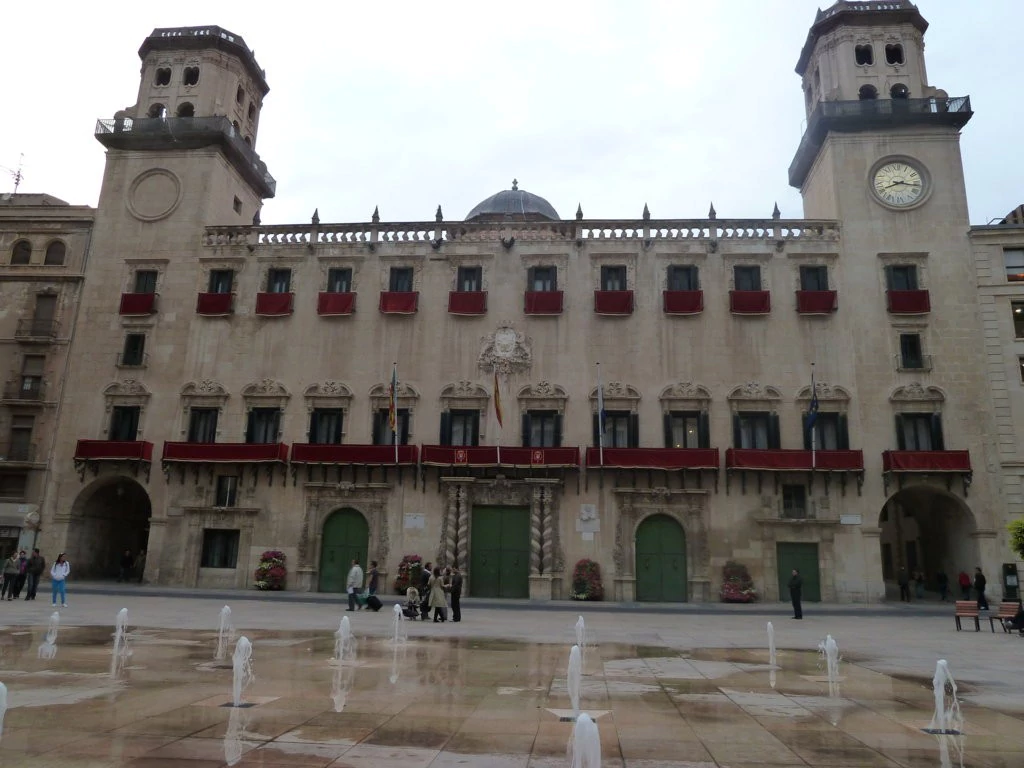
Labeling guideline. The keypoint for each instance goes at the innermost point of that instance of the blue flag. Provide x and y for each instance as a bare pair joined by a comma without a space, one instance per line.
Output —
812,414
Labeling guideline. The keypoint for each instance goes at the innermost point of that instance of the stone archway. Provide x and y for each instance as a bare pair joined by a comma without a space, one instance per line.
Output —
108,516
925,528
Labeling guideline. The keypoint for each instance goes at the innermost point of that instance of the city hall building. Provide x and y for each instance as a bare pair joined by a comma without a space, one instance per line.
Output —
637,391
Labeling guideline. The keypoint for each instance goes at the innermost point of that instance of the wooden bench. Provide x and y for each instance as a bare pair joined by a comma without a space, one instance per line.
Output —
1007,610
967,609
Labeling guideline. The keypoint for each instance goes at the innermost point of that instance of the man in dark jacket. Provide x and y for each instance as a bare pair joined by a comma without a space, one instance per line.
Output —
796,586
980,582
127,563
456,594
425,591
19,581
903,579
36,566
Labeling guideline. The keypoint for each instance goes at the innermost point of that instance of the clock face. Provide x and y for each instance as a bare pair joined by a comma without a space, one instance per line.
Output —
899,184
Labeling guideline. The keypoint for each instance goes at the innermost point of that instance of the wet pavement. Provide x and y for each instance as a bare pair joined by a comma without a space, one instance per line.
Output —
446,698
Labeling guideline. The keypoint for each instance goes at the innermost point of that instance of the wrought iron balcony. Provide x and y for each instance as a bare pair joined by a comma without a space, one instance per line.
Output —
18,452
132,360
35,329
30,391
188,133
910,363
871,114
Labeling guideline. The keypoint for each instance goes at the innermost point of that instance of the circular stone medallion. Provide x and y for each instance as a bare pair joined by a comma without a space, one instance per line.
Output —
154,195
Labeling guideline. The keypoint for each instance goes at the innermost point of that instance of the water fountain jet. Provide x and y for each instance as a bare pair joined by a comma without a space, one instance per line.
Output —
344,643
771,644
829,649
120,652
48,648
3,706
581,635
585,744
242,666
573,679
947,719
225,634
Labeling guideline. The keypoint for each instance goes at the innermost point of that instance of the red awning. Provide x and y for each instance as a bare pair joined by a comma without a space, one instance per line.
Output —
467,302
613,302
215,304
653,458
780,460
542,303
926,461
399,302
227,453
683,302
908,302
750,302
511,456
114,450
816,302
310,453
275,304
336,303
137,304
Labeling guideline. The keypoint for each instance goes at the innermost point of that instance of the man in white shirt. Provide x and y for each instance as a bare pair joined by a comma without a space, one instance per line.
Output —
354,583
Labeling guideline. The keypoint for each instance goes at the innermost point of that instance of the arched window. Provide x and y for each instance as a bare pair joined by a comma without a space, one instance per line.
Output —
186,110
252,110
190,76
894,54
158,110
55,253
899,91
240,95
864,55
163,76
21,253
867,93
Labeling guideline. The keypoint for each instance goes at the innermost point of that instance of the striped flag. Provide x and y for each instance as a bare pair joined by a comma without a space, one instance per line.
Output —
498,412
812,417
393,400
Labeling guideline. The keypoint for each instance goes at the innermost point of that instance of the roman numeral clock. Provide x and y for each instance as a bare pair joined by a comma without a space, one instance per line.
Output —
900,183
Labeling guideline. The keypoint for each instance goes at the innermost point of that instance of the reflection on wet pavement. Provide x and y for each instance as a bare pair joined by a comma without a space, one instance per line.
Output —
441,703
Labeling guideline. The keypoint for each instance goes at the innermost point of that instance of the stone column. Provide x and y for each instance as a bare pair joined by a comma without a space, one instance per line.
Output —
155,549
540,547
874,584
305,570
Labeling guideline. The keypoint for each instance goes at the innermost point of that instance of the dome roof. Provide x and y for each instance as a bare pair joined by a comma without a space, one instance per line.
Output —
514,203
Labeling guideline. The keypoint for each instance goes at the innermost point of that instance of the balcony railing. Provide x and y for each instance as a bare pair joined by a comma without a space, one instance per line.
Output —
542,303
215,304
921,363
908,302
785,460
26,391
506,456
613,302
137,304
132,360
750,302
399,302
274,304
113,450
331,304
816,302
226,453
187,133
683,302
18,452
653,458
37,329
361,455
926,461
467,302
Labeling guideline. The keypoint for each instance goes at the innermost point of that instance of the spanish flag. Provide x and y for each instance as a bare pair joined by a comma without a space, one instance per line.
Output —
497,401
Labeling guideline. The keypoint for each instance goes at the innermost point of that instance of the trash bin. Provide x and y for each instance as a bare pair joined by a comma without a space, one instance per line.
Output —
1011,587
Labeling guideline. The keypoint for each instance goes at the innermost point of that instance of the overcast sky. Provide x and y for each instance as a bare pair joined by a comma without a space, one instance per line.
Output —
411,105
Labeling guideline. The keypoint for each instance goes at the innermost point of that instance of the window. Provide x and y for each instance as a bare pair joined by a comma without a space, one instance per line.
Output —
220,548
227,491
1017,309
382,434
757,430
683,278
867,93
55,253
134,349
263,425
157,111
1014,259
747,278
613,278
279,280
901,277
894,54
542,429
163,76
910,351
20,448
919,432
794,502
339,280
236,204
469,280
21,253
686,429
12,485
222,280
202,425
190,76
899,91
325,426
400,280
32,376
252,111
830,433
1020,364
621,429
813,278
145,281
864,55
542,279
124,423
460,427
186,110
240,95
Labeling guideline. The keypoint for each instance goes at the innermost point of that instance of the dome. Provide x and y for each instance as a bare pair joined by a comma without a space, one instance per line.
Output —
514,203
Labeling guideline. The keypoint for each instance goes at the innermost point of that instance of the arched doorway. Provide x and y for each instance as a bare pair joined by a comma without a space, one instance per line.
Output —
927,529
346,536
660,561
108,517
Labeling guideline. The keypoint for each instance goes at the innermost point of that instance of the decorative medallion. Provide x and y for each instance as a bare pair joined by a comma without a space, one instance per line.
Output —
505,351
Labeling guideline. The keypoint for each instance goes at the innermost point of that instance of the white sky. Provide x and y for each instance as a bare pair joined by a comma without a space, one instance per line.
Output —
408,105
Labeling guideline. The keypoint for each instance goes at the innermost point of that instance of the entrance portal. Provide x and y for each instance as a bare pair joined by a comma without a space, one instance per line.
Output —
660,561
928,530
108,517
346,536
804,557
499,553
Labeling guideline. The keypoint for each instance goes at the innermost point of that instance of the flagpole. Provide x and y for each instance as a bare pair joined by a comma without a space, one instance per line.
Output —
497,384
394,405
600,418
814,439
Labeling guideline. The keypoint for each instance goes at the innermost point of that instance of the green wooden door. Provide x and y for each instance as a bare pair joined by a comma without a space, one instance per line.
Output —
803,557
499,554
660,561
346,536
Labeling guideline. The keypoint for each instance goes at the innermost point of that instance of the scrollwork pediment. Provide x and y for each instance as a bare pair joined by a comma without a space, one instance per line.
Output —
825,391
465,390
265,388
753,390
685,390
328,389
126,388
915,392
204,388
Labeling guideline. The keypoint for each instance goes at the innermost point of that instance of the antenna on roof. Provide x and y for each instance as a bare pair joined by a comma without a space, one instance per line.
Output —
17,175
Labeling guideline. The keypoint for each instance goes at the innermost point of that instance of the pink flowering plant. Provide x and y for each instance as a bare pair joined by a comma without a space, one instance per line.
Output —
586,581
271,572
410,566
737,586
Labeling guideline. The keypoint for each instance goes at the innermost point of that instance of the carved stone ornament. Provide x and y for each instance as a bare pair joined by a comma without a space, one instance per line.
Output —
206,387
328,389
686,390
265,388
127,387
825,391
753,390
916,392
505,351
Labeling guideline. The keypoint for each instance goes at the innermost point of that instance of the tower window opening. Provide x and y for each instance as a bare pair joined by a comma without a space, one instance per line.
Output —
240,95
252,110
237,205
864,55
55,253
186,110
158,110
248,141
899,91
867,92
894,54
808,98
190,76
21,253
163,76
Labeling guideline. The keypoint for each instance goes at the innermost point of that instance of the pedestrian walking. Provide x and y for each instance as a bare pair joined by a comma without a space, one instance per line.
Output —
10,576
140,565
374,576
19,580
124,572
903,579
425,576
965,585
456,594
942,582
436,586
36,566
980,582
354,583
59,572
919,585
796,586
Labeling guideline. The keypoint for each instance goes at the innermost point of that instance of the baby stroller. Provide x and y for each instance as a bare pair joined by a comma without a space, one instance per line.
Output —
411,609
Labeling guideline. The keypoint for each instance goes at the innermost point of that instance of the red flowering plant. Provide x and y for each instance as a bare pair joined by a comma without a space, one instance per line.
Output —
586,581
408,569
737,586
271,573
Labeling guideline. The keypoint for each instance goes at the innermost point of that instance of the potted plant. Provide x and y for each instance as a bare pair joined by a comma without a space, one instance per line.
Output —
408,573
271,572
737,586
586,581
